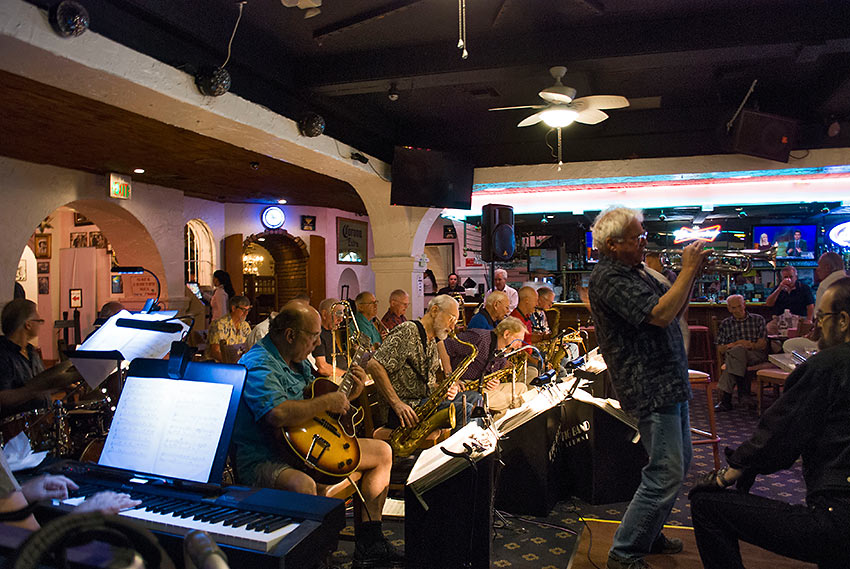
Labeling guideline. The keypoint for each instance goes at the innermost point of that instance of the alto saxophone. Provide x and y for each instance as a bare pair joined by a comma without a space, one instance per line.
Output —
405,439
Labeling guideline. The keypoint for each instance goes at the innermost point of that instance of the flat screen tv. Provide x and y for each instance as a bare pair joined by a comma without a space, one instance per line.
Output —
429,178
789,245
543,260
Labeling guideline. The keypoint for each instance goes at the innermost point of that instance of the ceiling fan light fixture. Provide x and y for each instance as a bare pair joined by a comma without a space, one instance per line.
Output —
558,118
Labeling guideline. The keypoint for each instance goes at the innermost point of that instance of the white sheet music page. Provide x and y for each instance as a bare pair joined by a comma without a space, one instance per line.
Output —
132,344
167,427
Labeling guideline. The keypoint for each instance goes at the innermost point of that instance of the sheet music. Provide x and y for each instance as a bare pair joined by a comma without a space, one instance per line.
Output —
130,342
167,427
610,406
393,508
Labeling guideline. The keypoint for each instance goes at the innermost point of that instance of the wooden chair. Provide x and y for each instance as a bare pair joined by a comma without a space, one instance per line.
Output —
700,379
751,370
702,354
775,377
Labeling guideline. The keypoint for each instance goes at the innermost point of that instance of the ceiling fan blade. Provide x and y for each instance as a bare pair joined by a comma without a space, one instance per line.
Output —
530,120
519,107
591,116
558,94
602,102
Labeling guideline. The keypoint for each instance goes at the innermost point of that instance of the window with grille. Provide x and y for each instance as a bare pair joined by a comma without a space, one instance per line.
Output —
198,253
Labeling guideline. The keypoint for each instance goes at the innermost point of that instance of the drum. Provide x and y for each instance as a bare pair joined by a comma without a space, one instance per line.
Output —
87,421
91,452
44,430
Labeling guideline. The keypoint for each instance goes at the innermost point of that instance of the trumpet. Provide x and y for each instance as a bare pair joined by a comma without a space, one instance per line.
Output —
724,262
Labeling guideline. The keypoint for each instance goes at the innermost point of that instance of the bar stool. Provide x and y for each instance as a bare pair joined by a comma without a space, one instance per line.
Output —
775,377
701,354
700,379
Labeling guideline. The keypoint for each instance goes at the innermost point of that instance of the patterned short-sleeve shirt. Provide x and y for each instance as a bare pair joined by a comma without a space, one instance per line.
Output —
410,366
648,364
751,328
225,329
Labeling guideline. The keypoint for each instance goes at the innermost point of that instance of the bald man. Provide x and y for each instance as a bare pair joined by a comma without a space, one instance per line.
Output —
496,307
524,310
273,398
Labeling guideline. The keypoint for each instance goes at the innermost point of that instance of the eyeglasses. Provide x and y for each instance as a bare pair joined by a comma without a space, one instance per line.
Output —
637,238
311,335
244,308
373,302
820,315
39,320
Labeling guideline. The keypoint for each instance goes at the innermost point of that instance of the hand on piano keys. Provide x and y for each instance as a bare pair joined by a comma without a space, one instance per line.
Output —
258,531
107,503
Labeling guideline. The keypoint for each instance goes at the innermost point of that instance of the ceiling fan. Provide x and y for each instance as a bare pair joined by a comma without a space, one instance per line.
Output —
562,108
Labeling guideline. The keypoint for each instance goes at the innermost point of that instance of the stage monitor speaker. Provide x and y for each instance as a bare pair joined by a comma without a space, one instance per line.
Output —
764,135
497,233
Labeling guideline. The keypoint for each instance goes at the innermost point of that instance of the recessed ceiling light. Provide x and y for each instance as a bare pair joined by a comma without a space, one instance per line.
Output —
281,202
139,171
551,216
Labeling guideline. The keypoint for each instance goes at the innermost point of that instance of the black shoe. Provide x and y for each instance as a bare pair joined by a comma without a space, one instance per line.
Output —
379,554
666,545
723,406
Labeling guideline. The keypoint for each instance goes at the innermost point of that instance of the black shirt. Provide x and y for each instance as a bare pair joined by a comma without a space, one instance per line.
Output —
326,350
16,370
457,289
796,301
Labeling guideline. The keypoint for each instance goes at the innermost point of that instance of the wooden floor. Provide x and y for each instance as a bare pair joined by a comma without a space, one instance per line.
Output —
602,534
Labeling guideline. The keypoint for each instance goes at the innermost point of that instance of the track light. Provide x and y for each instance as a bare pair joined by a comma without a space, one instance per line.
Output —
68,18
742,214
662,216
392,93
311,125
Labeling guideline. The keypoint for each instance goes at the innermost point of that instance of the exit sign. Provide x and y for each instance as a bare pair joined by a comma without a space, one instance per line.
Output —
119,186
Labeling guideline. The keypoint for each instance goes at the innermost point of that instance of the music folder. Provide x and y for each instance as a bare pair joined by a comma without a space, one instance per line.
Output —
116,343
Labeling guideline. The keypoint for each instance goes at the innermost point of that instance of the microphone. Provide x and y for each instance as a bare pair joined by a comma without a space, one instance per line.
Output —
201,552
544,378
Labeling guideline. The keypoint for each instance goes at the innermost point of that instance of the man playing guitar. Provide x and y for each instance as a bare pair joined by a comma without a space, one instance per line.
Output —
278,373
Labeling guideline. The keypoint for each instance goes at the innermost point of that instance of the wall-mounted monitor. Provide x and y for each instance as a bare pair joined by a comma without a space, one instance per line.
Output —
429,178
543,260
792,241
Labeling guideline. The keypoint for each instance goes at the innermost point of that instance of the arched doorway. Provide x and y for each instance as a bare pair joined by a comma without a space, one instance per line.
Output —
271,289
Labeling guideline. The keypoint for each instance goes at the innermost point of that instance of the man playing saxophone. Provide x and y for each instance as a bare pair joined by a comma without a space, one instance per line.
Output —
488,363
405,366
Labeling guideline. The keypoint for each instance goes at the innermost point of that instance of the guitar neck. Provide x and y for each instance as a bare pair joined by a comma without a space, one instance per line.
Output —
346,384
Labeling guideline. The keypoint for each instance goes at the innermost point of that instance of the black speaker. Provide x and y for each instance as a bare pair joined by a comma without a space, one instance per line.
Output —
497,233
764,135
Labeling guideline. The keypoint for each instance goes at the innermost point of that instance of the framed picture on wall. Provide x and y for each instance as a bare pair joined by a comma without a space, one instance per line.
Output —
449,232
42,267
21,273
352,241
308,223
80,220
96,239
117,285
80,239
42,246
43,285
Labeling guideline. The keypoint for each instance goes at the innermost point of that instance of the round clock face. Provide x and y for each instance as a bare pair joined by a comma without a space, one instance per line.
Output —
273,217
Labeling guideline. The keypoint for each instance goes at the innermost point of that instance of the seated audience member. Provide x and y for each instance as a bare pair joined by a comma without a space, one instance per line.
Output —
500,283
405,366
808,421
273,399
15,497
330,354
507,334
454,286
399,301
24,383
367,311
232,328
259,332
495,309
793,295
545,301
524,310
742,342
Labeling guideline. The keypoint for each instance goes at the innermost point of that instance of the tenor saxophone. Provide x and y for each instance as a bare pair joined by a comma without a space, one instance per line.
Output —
405,439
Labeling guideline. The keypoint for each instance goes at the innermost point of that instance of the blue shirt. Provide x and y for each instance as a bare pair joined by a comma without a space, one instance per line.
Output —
367,328
648,364
270,382
481,321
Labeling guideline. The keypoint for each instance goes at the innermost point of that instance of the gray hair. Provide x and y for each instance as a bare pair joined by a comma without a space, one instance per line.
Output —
791,268
442,301
495,297
545,291
327,304
832,261
502,272
363,298
511,323
731,296
239,301
398,294
611,223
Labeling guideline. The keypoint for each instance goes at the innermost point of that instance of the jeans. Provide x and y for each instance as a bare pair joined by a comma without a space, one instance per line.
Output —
666,436
807,533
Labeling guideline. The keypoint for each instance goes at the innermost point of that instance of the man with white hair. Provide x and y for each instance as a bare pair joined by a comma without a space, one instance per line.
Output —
639,336
405,366
496,307
500,282
742,342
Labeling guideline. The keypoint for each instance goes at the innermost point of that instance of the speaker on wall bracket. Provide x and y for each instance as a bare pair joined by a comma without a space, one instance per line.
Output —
497,233
764,135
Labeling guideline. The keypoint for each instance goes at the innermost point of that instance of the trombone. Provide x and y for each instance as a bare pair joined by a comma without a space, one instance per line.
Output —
461,318
724,262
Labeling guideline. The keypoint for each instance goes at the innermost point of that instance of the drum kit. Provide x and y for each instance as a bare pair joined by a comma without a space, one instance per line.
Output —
69,429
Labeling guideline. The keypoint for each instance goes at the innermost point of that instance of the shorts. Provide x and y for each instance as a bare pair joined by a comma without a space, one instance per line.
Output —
266,473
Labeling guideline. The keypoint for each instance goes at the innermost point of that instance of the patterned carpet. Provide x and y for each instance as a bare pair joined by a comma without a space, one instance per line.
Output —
734,427
550,542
